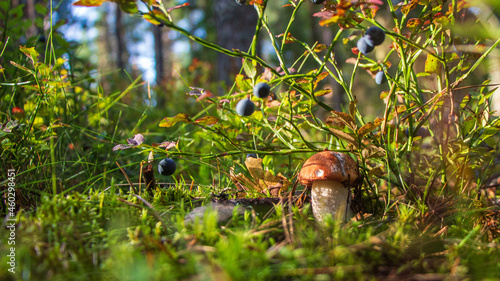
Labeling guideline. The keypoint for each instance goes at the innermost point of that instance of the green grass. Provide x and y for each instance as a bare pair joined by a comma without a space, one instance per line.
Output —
99,237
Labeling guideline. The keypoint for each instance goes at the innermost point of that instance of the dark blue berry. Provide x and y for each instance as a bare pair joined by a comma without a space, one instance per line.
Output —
380,77
363,46
317,1
167,167
252,155
245,107
374,36
261,90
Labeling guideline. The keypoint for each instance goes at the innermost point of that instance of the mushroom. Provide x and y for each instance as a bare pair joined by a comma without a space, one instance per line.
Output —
330,175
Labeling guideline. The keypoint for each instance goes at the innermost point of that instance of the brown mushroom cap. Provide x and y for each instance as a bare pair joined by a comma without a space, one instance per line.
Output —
329,165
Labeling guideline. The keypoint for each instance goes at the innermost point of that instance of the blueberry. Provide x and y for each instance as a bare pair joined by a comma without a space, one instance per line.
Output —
317,1
261,90
374,36
380,77
363,46
245,107
252,155
167,167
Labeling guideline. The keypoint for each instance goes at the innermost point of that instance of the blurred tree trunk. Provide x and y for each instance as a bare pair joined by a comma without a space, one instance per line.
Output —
120,42
30,14
235,27
159,63
163,62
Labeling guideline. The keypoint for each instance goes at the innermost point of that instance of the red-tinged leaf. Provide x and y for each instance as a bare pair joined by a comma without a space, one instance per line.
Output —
20,66
323,15
408,7
367,128
137,140
399,110
273,103
333,121
207,120
384,95
258,2
170,121
321,76
204,95
345,136
122,146
376,2
267,75
88,3
345,118
322,92
413,23
330,21
195,91
166,144
351,60
177,7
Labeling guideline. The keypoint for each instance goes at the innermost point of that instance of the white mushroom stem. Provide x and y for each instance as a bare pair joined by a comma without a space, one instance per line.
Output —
330,198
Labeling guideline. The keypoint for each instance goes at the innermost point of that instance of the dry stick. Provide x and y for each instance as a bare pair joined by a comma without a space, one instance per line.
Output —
283,221
290,219
126,177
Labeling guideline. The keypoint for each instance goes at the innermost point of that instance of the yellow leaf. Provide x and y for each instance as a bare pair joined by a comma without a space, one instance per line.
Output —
432,65
170,121
88,3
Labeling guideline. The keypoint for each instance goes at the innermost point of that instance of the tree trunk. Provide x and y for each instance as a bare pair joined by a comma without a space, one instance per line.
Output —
119,34
235,26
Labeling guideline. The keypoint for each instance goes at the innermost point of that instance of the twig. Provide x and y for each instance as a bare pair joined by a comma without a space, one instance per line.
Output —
128,180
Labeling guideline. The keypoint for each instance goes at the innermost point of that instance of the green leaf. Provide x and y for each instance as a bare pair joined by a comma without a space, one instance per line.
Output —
486,96
465,101
170,121
129,7
249,68
31,53
151,19
243,84
322,92
432,65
